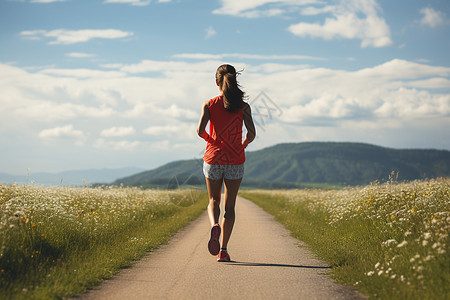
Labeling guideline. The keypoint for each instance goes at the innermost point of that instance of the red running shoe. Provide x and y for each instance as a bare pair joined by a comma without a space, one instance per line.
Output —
213,244
223,256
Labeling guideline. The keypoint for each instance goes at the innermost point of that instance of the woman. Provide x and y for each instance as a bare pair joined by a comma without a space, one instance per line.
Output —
224,157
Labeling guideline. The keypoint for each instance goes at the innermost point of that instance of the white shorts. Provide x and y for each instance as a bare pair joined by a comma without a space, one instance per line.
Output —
215,172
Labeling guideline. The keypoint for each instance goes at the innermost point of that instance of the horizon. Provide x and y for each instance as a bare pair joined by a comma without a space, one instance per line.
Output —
123,86
29,172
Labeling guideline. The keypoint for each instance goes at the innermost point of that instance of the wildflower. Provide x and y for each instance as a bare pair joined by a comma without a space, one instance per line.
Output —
370,273
377,265
427,235
380,272
402,244
424,243
388,242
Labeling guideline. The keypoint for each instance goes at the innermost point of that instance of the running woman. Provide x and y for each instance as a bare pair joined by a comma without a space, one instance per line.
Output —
224,157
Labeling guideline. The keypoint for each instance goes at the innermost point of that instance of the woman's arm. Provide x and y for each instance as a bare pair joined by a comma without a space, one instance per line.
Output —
248,121
203,121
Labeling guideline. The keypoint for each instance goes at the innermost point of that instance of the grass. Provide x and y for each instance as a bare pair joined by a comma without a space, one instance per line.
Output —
56,242
388,240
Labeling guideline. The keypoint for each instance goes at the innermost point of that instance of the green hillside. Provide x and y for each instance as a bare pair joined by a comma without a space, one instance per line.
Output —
307,164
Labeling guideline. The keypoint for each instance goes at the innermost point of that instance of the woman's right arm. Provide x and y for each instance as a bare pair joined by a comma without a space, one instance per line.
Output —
249,125
203,121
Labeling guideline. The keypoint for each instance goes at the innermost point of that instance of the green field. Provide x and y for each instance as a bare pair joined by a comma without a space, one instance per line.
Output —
57,241
389,240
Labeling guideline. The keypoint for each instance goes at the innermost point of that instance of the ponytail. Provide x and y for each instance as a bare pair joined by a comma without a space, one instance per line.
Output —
233,96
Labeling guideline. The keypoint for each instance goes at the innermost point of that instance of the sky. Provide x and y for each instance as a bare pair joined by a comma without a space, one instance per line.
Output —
91,84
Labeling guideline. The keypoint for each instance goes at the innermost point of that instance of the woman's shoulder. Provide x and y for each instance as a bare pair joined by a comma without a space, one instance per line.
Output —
215,100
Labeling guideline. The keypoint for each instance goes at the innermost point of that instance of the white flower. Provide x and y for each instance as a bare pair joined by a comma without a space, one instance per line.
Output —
388,242
370,273
424,243
377,265
402,244
427,235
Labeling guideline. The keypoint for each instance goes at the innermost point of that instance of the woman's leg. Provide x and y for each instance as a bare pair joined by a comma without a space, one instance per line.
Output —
231,191
214,192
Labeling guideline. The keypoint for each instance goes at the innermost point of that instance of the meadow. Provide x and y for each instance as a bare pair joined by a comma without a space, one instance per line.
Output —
390,241
57,241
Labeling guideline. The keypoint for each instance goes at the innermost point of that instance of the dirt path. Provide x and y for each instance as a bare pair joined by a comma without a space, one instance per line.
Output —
267,264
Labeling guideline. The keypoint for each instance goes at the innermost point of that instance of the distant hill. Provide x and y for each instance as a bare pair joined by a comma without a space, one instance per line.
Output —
76,177
306,164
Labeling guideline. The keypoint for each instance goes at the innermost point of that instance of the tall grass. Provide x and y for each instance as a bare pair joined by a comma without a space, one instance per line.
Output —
57,241
388,240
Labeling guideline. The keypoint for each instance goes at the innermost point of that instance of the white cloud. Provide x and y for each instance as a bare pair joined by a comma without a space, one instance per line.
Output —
46,1
351,20
118,131
210,32
132,2
259,8
79,55
432,17
83,73
162,130
117,145
66,37
207,56
179,67
180,131
136,2
64,132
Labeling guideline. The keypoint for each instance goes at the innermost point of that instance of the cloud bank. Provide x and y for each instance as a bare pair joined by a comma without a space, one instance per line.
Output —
105,105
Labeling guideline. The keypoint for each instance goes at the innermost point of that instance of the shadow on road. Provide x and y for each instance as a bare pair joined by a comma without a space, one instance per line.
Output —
254,264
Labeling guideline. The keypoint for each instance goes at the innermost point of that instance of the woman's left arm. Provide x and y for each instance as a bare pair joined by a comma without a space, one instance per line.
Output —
203,121
249,125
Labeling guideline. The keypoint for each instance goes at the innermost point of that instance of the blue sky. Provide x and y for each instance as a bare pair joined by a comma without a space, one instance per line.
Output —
116,83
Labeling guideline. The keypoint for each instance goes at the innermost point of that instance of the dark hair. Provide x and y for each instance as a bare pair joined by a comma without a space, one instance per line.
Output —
233,96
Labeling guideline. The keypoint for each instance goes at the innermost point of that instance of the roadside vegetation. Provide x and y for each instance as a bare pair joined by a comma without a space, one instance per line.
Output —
57,241
388,240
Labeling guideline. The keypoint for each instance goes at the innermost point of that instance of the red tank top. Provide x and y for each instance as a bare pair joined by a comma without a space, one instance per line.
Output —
225,145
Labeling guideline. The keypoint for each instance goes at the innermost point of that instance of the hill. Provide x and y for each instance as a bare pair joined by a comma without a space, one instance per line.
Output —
310,163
